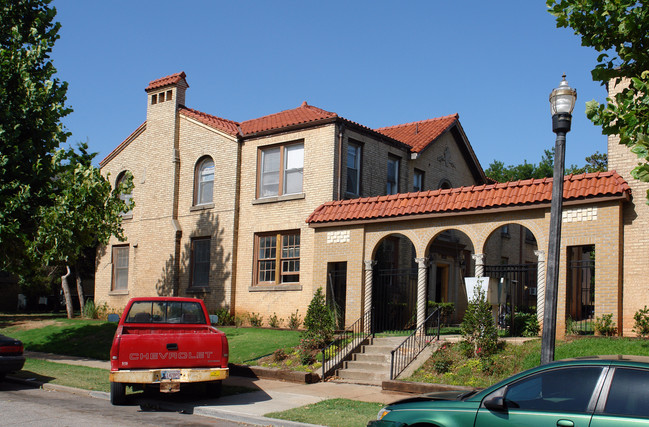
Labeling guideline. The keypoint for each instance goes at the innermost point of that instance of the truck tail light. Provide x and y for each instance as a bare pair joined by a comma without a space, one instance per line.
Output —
225,350
114,353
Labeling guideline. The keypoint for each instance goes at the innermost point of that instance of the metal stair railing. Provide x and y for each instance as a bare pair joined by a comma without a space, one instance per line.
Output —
350,340
411,347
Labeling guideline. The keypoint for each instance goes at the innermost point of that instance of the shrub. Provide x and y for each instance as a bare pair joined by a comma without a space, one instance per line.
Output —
238,321
255,319
274,321
279,355
445,308
225,317
605,325
641,326
319,322
294,321
478,327
92,311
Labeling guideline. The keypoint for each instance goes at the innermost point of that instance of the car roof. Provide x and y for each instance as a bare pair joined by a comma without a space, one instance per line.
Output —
178,299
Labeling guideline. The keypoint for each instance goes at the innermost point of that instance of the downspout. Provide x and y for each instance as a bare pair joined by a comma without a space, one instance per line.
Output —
174,214
235,232
340,162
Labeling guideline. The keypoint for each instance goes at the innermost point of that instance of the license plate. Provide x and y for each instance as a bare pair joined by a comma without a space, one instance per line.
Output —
171,374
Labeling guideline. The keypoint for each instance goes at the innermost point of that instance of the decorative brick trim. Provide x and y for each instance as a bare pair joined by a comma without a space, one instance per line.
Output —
580,214
342,236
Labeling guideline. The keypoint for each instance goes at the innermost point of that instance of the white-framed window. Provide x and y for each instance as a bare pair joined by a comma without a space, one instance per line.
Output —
277,257
204,181
200,261
353,169
393,175
120,267
281,170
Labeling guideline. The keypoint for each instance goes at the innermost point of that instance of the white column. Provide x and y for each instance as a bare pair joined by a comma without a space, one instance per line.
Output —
421,289
479,264
369,266
540,285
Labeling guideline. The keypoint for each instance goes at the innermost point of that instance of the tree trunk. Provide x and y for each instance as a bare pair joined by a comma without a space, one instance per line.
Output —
66,293
82,297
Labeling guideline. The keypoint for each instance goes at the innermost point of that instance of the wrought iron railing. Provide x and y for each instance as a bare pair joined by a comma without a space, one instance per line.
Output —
412,346
346,343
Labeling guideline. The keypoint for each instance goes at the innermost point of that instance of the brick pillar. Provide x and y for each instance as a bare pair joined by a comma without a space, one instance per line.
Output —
540,285
421,289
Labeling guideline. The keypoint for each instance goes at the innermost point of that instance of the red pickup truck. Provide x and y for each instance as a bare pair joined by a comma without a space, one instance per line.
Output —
163,342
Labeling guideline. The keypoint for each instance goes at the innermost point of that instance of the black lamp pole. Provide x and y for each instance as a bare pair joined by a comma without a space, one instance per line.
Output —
562,100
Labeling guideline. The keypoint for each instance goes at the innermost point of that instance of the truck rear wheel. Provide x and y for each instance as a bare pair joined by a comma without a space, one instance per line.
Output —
117,393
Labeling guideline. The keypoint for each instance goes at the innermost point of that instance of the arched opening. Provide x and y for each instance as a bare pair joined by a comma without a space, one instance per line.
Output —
450,262
394,295
510,256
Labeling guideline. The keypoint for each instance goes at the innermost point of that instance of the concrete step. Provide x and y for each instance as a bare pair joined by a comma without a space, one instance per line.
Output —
362,375
367,366
369,357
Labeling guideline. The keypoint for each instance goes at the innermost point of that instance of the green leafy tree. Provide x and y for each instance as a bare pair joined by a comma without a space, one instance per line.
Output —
478,328
83,211
319,322
32,103
619,31
544,169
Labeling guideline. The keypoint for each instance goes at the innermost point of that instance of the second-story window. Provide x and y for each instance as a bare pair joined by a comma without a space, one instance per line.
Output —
281,170
393,176
126,197
418,180
204,182
353,169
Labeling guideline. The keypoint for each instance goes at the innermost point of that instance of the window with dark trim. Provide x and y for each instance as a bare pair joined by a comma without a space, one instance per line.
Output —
392,186
277,258
200,262
353,169
204,181
120,263
418,180
280,170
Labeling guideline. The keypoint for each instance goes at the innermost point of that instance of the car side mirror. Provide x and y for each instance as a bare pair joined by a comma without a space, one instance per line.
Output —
214,319
496,404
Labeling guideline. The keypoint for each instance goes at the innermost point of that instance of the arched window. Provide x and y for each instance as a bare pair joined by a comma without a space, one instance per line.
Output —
204,181
445,184
126,197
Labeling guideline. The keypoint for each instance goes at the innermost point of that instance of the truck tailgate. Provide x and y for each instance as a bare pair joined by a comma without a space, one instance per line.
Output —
172,349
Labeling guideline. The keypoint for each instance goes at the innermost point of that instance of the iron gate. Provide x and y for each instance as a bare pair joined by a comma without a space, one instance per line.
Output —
521,290
394,298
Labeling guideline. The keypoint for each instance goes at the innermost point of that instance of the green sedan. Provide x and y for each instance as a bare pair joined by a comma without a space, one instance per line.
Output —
598,391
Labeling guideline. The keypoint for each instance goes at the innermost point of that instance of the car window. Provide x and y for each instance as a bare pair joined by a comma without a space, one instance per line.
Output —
166,312
629,393
140,312
563,390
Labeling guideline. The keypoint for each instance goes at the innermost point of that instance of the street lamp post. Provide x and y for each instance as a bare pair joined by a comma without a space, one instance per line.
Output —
562,101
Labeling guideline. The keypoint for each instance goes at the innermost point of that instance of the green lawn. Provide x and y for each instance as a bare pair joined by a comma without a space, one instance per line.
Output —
332,412
93,338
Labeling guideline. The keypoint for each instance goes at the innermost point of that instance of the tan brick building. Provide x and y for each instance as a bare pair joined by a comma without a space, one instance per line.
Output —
256,215
220,206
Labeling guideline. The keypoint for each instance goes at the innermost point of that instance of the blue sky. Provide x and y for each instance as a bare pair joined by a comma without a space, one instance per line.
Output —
378,63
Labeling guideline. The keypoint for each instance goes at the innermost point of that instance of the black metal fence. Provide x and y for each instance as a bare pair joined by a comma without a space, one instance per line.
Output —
346,343
412,346
394,298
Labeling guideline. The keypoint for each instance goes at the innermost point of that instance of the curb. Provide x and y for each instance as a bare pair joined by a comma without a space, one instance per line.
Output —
420,388
200,411
252,371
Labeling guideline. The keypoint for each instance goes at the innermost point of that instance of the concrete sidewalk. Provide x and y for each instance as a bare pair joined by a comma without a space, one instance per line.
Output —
250,408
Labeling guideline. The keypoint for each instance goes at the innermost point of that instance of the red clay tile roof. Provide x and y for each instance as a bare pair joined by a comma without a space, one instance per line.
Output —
419,135
165,81
508,194
227,126
303,114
